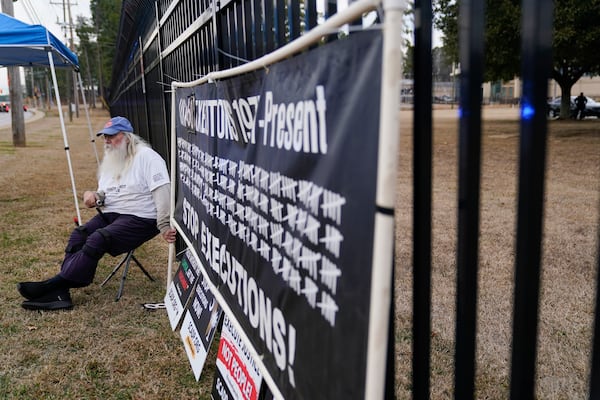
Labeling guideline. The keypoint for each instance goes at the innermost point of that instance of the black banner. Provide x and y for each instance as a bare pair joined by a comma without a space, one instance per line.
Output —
276,191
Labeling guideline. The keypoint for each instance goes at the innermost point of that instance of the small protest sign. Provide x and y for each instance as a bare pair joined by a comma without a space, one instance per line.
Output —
180,290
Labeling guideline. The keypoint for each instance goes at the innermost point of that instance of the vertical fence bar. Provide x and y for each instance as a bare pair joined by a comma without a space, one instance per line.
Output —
216,40
471,36
269,26
390,375
595,361
236,33
536,55
240,34
220,38
280,23
249,30
293,19
310,17
161,69
258,29
422,150
330,9
230,34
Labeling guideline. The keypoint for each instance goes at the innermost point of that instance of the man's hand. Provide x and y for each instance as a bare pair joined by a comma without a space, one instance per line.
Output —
170,235
89,198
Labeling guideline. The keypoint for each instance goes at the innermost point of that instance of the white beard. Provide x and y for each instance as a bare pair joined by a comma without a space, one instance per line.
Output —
115,161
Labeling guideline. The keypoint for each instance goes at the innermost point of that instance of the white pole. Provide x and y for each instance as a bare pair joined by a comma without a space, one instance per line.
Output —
87,115
64,133
173,179
383,248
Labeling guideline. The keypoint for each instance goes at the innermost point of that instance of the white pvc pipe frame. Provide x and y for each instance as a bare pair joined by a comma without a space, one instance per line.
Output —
64,133
389,139
64,130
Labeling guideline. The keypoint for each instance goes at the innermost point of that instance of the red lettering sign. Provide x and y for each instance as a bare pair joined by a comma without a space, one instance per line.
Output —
237,369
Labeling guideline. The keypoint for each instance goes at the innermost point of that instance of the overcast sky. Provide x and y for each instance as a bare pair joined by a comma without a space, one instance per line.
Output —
49,13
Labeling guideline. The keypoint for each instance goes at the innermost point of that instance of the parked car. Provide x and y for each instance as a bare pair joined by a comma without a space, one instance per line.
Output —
592,108
444,99
5,107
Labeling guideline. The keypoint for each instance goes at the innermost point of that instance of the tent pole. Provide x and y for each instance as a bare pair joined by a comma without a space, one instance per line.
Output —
87,115
64,133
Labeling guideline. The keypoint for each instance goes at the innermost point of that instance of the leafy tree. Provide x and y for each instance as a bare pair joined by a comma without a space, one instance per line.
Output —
576,40
106,16
446,20
442,70
576,44
502,38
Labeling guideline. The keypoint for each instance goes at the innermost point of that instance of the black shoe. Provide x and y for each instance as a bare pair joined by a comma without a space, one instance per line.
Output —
35,290
59,299
32,290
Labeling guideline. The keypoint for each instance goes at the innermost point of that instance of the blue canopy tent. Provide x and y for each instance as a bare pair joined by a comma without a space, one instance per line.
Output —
22,44
28,45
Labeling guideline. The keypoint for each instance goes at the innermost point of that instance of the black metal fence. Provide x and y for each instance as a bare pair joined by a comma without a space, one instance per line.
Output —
169,40
165,40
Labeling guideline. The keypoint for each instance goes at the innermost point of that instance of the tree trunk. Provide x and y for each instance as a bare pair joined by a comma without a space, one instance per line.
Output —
16,106
16,92
565,101
566,82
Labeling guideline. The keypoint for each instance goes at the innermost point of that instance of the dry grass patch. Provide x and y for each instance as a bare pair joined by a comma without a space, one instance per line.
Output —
115,350
102,349
569,256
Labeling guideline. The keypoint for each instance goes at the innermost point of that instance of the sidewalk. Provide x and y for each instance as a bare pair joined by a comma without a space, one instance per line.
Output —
487,112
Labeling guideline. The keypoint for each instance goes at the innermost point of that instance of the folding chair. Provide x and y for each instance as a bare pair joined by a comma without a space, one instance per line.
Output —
126,260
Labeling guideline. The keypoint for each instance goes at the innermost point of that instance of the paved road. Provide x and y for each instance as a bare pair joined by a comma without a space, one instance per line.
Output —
5,118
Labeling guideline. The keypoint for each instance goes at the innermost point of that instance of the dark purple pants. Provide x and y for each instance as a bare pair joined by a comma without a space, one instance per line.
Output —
110,233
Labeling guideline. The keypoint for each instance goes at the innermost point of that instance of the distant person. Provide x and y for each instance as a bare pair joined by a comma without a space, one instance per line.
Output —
580,102
133,188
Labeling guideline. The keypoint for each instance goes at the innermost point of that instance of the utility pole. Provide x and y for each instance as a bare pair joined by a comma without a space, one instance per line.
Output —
73,73
16,95
69,79
71,87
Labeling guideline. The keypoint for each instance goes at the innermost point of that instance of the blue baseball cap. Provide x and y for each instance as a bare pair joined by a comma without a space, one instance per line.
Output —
116,125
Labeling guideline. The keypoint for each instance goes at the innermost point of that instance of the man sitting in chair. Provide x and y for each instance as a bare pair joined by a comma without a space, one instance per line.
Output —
133,187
